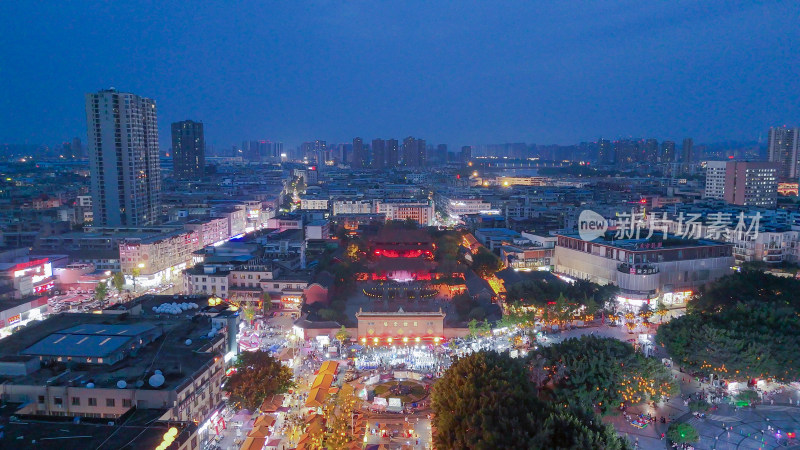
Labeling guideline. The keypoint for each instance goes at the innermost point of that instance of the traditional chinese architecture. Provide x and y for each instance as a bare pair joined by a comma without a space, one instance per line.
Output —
400,327
403,244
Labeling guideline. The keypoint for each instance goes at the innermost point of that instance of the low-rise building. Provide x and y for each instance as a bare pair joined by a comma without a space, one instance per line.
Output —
318,230
420,211
645,269
101,366
157,258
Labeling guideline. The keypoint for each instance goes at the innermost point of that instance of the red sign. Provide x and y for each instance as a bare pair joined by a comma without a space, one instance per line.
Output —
14,319
29,264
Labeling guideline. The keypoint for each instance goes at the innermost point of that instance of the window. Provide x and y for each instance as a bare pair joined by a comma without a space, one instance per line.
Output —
58,401
92,401
41,399
76,401
126,403
110,402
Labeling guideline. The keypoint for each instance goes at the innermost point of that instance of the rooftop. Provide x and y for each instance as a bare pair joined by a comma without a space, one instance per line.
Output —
168,352
140,429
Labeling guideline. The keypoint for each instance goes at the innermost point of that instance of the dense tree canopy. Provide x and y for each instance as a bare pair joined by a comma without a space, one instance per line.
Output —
257,376
600,372
118,281
540,292
485,263
744,341
101,291
744,326
486,401
746,287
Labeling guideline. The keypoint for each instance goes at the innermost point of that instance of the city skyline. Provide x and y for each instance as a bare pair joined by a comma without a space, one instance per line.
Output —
482,77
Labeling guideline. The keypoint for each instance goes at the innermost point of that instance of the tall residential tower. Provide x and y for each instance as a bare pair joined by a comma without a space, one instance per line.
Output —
188,150
123,158
784,146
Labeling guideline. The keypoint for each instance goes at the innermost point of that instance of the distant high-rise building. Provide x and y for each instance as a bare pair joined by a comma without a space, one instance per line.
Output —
715,179
391,153
188,150
316,151
77,148
357,160
651,150
414,152
66,150
625,151
466,153
250,151
751,183
686,154
378,153
667,152
784,150
123,158
605,153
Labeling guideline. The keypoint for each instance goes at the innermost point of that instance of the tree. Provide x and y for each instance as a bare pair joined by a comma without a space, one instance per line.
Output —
603,372
101,291
258,375
118,280
353,252
682,433
590,306
342,335
562,310
746,287
740,343
485,263
249,313
135,272
266,301
478,328
661,310
486,401
338,415
328,314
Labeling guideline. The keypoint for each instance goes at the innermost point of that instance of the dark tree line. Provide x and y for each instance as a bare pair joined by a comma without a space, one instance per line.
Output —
744,326
487,401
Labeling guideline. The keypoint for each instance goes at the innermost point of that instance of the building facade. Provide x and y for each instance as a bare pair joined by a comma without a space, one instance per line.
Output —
644,270
123,158
188,150
751,184
715,180
784,150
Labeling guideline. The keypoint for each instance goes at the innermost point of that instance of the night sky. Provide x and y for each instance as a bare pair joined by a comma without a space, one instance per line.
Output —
453,72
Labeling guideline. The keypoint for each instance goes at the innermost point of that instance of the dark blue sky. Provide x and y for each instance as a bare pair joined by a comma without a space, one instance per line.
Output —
454,72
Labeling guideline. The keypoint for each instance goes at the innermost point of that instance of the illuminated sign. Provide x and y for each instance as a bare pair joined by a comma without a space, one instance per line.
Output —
14,319
43,288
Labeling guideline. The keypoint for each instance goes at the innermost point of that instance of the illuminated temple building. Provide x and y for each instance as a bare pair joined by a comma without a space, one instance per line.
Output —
400,327
403,244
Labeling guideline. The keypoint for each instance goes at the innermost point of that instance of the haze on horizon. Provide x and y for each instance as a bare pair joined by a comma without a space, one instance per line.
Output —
456,73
